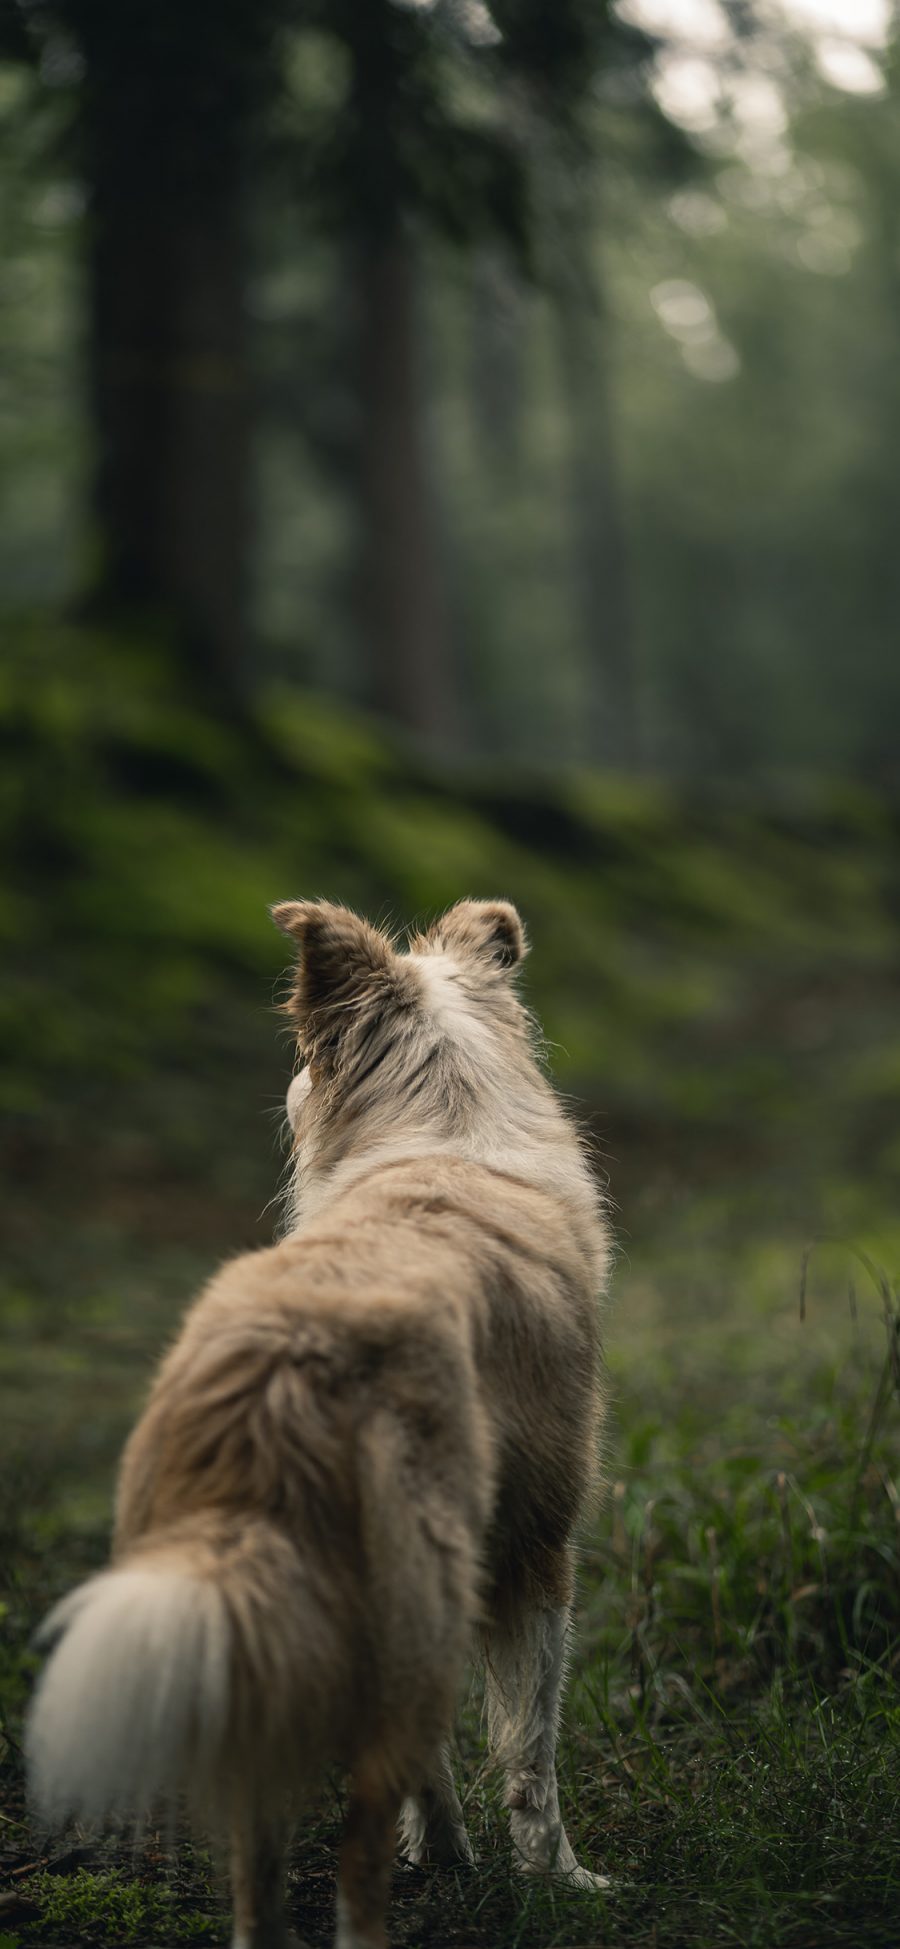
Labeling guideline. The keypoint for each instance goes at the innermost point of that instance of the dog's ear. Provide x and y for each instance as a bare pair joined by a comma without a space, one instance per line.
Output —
339,957
491,930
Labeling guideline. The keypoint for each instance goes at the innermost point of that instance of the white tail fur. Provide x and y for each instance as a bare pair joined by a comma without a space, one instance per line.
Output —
134,1700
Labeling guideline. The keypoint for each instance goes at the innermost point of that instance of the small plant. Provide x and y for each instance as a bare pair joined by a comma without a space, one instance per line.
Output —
731,1756
108,1908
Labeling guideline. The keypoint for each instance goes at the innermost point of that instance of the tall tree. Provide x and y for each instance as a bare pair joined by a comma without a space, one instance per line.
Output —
554,58
165,113
405,612
405,160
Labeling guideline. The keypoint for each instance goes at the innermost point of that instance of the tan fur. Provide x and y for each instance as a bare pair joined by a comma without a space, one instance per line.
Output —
373,1439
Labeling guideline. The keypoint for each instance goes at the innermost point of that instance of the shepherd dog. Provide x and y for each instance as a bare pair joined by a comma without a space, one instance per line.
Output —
365,1457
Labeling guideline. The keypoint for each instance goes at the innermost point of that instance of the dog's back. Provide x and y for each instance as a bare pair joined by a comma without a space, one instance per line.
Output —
407,1393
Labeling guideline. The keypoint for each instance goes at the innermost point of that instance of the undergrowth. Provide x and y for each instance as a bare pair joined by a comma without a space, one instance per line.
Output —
719,986
718,980
732,1735
109,1908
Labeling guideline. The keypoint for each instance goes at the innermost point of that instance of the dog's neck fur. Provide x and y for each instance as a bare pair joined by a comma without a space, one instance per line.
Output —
456,1076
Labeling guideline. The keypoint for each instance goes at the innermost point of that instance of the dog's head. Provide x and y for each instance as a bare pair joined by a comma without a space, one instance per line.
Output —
422,1040
357,1001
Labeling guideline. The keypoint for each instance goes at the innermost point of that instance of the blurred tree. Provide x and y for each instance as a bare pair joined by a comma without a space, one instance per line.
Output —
167,109
856,147
166,99
391,96
409,154
471,124
559,63
734,338
452,122
16,44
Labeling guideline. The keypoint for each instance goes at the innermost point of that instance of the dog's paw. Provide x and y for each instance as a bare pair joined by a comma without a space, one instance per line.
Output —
583,1880
449,1851
566,1874
433,1838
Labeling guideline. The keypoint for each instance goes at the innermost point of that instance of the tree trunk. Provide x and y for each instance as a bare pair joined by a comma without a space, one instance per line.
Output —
404,616
166,350
404,621
611,727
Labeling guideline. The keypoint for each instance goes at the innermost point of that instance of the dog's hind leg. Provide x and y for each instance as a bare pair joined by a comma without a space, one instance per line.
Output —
432,1824
525,1671
366,1863
257,1880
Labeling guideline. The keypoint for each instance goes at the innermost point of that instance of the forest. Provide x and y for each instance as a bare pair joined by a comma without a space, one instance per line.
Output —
449,447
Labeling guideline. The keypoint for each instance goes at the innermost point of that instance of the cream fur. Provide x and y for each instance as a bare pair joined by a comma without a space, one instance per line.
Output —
137,1689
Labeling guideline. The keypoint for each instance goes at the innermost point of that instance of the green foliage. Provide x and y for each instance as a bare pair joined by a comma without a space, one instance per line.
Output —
108,1908
730,1753
747,460
730,1746
694,963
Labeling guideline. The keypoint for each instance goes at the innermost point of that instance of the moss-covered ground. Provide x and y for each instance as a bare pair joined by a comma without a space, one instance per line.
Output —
719,985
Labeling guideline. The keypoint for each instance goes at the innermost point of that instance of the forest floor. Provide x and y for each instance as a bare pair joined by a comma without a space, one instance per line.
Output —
720,985
732,1734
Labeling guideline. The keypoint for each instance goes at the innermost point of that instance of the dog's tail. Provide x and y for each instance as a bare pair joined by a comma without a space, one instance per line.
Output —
176,1672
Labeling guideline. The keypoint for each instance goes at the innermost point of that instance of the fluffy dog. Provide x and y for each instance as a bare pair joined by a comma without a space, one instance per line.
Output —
367,1450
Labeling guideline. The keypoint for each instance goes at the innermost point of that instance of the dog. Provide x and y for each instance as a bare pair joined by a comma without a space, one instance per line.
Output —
366,1453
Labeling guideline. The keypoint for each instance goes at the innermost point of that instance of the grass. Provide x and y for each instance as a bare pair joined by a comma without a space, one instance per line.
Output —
732,1736
718,979
109,1908
719,984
